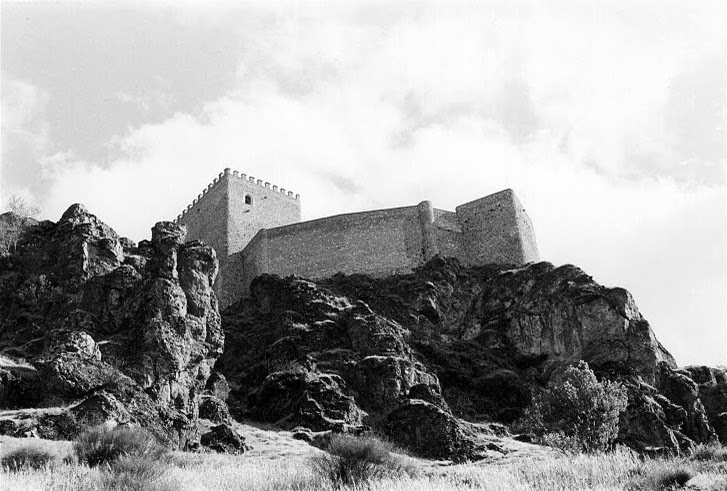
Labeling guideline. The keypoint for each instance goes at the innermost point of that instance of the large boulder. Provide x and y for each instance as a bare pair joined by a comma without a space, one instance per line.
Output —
431,432
224,438
305,398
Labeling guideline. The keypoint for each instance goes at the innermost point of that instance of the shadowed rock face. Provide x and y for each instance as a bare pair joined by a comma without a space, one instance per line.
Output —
711,387
106,324
114,332
448,343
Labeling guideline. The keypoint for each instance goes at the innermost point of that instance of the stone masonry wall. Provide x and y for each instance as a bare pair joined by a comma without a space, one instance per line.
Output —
376,243
496,229
206,218
270,208
447,233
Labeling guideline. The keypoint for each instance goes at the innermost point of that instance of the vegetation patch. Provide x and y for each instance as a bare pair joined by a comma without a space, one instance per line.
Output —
103,445
351,460
712,452
25,458
665,476
578,413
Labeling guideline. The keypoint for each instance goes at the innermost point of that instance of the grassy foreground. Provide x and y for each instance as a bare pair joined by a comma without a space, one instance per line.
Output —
291,469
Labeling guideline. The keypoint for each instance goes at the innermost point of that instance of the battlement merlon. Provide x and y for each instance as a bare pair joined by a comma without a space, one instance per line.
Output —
240,177
496,228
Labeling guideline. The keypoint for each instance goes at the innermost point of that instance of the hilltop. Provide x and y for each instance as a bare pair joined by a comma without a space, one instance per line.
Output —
443,360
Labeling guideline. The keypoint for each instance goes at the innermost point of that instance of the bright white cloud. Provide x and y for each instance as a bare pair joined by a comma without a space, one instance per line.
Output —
571,109
22,107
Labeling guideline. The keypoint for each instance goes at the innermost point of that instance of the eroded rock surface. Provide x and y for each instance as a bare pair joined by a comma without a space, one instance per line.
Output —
117,331
428,351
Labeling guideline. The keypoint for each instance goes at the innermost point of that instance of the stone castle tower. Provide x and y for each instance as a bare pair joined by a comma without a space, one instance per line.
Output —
232,209
255,228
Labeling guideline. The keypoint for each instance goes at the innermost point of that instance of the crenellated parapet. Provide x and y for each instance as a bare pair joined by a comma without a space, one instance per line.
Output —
240,177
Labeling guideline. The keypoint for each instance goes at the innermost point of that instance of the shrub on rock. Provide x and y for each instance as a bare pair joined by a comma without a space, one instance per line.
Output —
578,413
214,409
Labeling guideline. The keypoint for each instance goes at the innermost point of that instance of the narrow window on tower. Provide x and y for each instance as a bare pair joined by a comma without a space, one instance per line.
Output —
248,200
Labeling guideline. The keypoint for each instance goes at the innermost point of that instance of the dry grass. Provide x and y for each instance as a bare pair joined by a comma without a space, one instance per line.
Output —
714,452
291,469
103,445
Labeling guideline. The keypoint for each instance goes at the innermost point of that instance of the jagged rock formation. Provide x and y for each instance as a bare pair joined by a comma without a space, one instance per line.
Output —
711,385
415,355
95,329
107,329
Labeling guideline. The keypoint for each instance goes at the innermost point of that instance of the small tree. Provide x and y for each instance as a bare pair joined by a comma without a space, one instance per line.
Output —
11,226
21,207
578,413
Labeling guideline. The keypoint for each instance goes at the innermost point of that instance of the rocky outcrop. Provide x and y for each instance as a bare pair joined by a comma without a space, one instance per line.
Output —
426,351
97,330
307,398
431,431
302,356
121,332
711,385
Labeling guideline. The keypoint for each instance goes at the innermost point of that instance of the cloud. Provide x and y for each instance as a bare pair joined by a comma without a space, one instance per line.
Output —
136,100
581,111
24,135
23,105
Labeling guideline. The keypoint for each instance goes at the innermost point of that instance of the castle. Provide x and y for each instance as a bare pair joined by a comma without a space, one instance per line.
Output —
255,228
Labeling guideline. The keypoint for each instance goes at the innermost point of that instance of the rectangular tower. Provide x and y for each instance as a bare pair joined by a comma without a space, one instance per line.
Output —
496,229
228,214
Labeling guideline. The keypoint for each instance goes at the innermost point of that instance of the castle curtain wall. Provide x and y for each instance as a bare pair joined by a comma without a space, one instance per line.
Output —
375,243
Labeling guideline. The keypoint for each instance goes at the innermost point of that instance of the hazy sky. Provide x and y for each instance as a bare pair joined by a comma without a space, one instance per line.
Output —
607,118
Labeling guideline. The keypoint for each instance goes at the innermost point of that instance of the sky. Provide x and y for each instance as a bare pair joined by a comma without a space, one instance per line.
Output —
607,119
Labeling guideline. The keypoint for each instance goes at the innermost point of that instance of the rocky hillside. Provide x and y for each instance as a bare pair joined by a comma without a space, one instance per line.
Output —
430,356
444,360
94,328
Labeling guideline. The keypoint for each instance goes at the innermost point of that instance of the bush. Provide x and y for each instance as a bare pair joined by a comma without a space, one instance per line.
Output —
714,452
578,413
103,445
132,479
352,460
26,458
665,477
